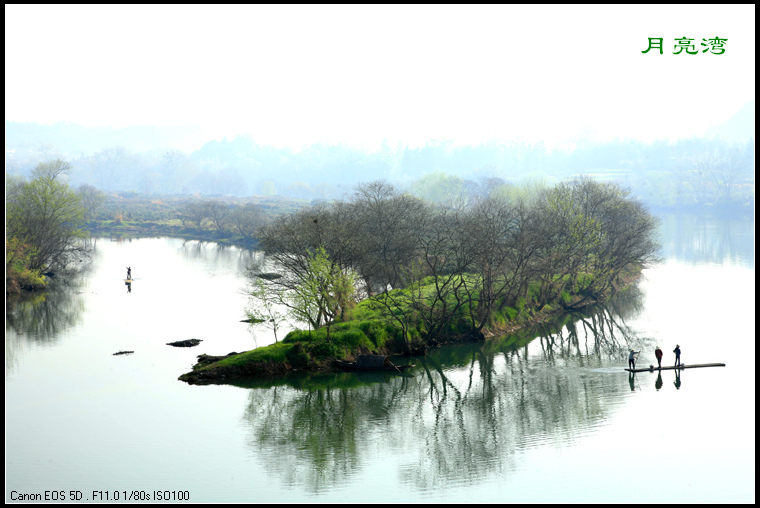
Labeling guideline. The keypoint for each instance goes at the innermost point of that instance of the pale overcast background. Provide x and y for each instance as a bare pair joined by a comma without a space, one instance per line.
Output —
358,75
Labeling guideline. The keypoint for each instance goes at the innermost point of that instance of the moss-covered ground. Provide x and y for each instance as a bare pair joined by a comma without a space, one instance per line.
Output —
369,330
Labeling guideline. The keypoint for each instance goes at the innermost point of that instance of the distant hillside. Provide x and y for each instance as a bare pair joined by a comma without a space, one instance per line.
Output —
740,128
72,140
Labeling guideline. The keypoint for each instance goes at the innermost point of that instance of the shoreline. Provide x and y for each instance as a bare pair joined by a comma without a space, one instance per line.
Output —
153,230
257,363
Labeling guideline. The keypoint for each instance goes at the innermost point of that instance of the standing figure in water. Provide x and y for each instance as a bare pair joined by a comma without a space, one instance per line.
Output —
129,272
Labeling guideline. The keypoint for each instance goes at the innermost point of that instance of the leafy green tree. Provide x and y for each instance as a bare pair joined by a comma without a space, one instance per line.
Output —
266,188
264,308
18,275
51,169
317,295
47,216
443,189
592,232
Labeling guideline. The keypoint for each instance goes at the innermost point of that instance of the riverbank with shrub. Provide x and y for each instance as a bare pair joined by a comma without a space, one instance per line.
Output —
366,331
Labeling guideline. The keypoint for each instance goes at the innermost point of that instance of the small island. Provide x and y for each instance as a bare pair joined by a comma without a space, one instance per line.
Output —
386,273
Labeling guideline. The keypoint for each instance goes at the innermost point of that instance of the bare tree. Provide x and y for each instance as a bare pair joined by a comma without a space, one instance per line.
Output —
219,213
730,168
51,169
92,200
194,213
247,220
387,227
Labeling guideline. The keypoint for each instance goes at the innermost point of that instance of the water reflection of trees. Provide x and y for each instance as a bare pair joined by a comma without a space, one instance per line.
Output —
602,333
40,317
462,418
707,238
215,254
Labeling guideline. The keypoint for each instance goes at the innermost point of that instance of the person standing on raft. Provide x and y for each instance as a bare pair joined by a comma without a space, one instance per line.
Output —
658,355
129,272
677,351
632,359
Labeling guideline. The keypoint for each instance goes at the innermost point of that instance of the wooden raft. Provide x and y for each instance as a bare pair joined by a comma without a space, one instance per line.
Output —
671,367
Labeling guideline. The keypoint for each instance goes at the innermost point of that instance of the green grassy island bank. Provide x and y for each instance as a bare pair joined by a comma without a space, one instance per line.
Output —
388,273
371,331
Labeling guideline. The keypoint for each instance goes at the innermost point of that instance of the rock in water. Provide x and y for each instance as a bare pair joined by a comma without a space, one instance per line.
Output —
185,343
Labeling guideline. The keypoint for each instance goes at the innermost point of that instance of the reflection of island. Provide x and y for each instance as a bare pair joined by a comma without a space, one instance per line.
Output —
600,333
39,317
463,417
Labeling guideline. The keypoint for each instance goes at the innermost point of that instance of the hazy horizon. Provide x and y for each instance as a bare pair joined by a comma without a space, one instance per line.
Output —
359,76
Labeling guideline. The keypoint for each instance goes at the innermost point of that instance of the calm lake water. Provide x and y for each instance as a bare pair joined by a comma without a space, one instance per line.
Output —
552,419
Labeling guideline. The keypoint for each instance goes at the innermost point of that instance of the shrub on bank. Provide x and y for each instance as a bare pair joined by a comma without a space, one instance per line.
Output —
349,337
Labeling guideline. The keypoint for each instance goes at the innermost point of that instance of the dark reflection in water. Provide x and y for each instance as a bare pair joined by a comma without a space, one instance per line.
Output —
41,316
463,415
677,382
601,333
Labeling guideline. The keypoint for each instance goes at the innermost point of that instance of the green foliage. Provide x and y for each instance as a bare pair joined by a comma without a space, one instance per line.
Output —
328,287
322,350
18,275
29,278
46,216
274,353
511,313
534,290
351,338
440,188
376,331
297,336
495,263
297,356
263,308
321,292
347,338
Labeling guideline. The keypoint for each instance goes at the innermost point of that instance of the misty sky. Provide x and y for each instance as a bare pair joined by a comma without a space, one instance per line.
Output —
293,75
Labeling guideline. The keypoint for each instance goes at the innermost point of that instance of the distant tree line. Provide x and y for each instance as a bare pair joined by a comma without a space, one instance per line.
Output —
221,216
692,172
432,263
